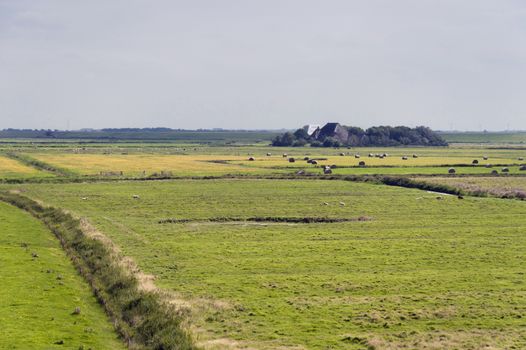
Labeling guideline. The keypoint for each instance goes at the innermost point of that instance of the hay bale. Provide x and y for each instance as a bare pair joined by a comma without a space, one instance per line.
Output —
342,154
251,159
269,154
362,163
522,168
342,204
451,171
285,155
313,162
485,157
475,161
306,158
356,156
370,155
327,170
489,165
520,158
292,160
301,172
136,196
404,158
494,172
505,170
460,197
415,155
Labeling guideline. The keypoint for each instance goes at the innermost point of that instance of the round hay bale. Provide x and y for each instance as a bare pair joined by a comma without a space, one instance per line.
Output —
362,163
327,170
451,171
404,158
356,156
285,155
522,168
494,172
292,160
505,170
370,155
251,159
269,154
520,158
415,155
342,154
306,158
488,166
313,162
475,161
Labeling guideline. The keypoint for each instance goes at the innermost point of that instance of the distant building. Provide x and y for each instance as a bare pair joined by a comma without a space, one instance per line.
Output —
312,130
334,130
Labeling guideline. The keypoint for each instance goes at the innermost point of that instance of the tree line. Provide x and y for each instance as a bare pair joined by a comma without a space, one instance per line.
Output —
357,137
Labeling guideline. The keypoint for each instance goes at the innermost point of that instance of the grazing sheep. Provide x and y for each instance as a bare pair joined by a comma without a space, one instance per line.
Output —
505,170
325,203
136,196
440,198
362,163
452,171
475,161
460,197
342,204
84,198
292,160
301,172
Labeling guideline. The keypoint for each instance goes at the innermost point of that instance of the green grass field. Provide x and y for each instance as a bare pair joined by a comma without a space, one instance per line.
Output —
41,290
497,186
417,272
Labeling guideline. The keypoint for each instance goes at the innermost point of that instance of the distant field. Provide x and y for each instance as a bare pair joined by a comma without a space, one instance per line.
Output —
136,164
10,168
499,186
416,272
40,293
485,137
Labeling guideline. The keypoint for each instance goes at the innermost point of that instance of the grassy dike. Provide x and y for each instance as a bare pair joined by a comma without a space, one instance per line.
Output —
141,318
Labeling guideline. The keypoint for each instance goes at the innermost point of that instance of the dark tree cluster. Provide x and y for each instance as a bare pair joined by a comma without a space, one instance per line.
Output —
374,136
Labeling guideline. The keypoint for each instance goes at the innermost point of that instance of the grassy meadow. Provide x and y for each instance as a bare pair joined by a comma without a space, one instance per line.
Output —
41,290
410,270
269,259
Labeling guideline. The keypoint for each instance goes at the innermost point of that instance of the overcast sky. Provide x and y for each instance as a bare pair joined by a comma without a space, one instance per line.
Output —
262,63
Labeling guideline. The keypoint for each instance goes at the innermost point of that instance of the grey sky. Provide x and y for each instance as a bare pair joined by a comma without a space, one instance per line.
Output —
262,64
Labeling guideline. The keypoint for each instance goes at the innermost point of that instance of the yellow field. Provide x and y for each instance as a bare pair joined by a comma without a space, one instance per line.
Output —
347,160
184,165
10,168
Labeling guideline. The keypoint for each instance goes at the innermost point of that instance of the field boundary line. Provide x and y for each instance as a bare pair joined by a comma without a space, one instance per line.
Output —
38,164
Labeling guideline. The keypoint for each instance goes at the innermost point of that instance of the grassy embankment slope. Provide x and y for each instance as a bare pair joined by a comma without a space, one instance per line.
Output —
41,290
